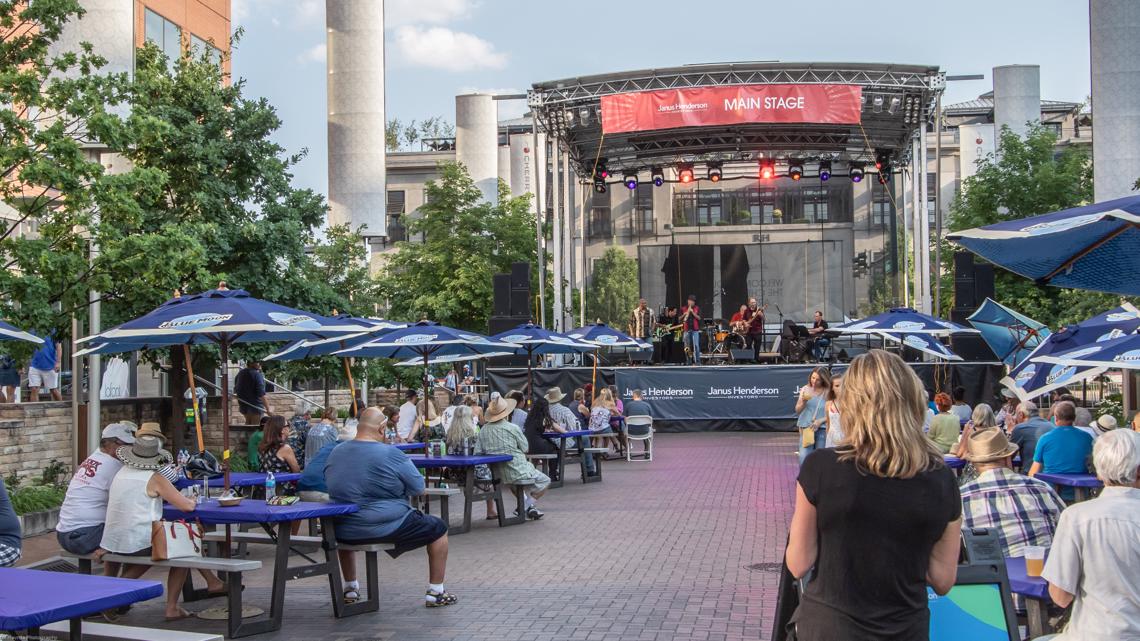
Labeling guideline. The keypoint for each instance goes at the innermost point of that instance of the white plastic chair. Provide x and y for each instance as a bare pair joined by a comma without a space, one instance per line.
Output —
639,428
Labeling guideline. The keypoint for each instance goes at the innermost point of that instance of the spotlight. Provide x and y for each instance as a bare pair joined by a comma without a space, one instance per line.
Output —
658,176
883,166
895,102
599,185
877,104
824,170
796,169
630,181
855,171
584,115
685,173
767,170
715,172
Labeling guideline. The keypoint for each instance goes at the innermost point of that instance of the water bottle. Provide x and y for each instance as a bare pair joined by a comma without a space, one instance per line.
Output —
183,458
270,485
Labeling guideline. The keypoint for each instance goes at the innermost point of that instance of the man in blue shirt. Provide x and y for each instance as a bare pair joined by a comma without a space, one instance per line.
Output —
1028,428
44,370
1064,449
312,486
379,478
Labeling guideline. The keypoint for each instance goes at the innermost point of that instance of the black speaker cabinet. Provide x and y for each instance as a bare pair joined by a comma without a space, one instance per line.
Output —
971,347
520,302
963,265
741,355
983,282
520,275
501,284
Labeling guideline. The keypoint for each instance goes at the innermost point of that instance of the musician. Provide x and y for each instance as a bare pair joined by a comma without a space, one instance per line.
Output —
739,321
755,334
820,341
691,324
641,321
665,323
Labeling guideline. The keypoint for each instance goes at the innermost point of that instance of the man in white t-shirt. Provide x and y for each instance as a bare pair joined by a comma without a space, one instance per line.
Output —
406,422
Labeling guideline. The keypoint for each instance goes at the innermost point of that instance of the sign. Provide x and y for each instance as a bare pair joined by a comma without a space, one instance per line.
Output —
717,393
703,106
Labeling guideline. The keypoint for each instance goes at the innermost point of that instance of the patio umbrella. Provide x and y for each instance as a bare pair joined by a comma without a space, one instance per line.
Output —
603,335
902,320
1095,247
925,343
11,333
1123,353
1012,336
536,340
458,358
219,316
1032,378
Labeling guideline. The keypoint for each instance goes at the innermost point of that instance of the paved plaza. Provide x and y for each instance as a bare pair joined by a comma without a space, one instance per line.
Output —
680,548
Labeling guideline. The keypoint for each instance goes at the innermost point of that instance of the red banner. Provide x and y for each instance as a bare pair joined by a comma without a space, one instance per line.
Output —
701,106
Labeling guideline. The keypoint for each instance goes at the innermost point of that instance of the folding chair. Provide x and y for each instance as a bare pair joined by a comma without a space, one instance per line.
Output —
639,428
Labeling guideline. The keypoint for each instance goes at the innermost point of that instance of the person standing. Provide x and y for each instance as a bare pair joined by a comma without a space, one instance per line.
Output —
834,416
755,335
406,423
666,321
641,321
9,379
691,325
43,371
249,388
811,405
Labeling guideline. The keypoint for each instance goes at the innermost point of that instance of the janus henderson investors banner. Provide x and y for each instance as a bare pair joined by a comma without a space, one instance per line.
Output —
701,106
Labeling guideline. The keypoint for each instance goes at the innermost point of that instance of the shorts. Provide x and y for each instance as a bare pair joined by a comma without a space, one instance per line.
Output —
45,378
417,531
84,540
313,496
541,482
9,378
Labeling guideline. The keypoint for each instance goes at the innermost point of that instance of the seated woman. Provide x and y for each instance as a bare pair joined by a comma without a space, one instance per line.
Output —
472,401
276,454
463,431
133,503
946,427
538,422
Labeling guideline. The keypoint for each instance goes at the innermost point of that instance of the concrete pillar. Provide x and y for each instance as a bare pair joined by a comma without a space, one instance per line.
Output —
357,194
1017,97
977,141
477,141
1114,38
505,164
526,164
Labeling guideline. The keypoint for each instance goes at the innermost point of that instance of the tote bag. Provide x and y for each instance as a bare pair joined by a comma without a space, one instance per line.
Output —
175,540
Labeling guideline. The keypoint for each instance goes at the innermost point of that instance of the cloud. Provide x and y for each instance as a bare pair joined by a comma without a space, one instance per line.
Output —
295,13
315,53
442,48
402,12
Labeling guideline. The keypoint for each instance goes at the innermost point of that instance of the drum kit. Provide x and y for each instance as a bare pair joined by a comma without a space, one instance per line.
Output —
722,339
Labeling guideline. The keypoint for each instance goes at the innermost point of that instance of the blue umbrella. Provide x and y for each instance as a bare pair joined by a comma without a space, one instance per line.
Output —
1123,352
536,340
603,335
11,333
925,343
1094,247
1032,378
367,330
902,320
1012,336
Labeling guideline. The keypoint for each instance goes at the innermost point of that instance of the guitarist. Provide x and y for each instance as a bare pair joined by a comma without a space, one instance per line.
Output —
755,333
667,324
691,324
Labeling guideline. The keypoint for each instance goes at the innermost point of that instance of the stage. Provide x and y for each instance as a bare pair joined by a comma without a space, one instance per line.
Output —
733,397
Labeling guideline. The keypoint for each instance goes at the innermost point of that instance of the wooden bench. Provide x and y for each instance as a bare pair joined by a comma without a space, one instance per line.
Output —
444,493
93,631
598,453
371,574
234,567
520,503
296,542
548,463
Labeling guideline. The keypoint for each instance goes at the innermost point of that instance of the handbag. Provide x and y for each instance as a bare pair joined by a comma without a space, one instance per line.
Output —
175,540
203,465
807,434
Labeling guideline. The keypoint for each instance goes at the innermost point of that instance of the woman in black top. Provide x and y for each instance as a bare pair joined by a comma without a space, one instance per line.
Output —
878,518
538,421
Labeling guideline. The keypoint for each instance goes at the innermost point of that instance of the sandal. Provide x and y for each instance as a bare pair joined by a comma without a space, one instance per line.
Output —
351,595
440,599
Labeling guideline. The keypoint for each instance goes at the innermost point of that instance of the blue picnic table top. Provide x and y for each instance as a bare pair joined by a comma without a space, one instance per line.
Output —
32,598
253,511
1021,583
240,479
573,434
458,461
953,462
410,447
1071,480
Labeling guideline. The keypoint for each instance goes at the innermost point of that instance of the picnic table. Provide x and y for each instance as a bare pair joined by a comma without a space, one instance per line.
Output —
268,516
239,479
1035,590
953,462
30,599
563,437
1081,483
471,493
410,447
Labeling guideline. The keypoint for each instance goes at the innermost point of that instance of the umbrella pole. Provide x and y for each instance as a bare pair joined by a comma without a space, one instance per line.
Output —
351,383
425,395
594,381
225,347
529,373
194,397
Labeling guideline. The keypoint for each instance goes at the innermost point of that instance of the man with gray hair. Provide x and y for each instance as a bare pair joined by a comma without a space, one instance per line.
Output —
1028,427
1094,563
1063,449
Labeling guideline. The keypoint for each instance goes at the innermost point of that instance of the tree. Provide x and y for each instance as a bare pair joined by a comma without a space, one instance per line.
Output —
466,240
613,289
1027,177
403,137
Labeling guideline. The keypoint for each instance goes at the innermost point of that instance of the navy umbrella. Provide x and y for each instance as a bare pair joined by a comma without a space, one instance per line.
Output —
1095,247
9,332
902,320
1012,336
536,340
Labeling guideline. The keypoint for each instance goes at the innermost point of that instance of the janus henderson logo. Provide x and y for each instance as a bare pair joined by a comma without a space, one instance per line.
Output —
195,321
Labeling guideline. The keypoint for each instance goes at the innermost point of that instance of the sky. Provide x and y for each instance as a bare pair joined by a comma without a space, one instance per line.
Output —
436,49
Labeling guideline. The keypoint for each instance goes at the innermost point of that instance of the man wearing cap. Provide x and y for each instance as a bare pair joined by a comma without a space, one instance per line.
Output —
84,511
498,436
1008,407
691,325
1023,511
563,417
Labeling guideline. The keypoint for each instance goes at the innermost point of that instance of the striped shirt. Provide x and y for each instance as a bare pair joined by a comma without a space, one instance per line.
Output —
1023,511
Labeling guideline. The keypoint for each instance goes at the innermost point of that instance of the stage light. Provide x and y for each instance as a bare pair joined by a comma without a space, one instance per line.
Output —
767,170
877,104
599,185
630,181
584,115
895,102
824,170
855,171
795,170
658,176
685,173
715,172
883,166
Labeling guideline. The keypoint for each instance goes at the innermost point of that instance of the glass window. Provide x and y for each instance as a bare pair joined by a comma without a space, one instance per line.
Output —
599,220
642,220
164,33
710,206
198,45
395,201
815,204
152,27
882,208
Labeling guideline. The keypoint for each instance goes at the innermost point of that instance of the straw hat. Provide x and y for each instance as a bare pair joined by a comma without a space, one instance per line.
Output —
145,454
1105,423
988,445
150,429
554,395
499,409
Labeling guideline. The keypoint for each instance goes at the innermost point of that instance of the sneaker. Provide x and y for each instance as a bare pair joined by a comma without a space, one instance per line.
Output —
439,599
534,513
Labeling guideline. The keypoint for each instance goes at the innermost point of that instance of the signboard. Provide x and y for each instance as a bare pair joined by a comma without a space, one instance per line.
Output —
702,106
717,393
977,142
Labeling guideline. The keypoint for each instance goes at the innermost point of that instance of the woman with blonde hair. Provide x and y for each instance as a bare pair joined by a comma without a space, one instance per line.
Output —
878,518
811,405
834,422
429,420
981,418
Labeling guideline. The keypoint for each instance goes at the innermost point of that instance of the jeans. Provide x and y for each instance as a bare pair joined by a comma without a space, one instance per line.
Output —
588,457
820,346
820,438
693,341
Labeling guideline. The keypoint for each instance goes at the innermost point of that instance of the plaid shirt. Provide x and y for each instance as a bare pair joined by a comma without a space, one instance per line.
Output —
502,437
8,555
1024,511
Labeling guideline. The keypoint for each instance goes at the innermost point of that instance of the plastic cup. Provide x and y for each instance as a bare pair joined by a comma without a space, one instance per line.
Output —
1034,560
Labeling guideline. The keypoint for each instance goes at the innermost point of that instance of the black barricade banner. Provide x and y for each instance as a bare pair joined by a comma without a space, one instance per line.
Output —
679,393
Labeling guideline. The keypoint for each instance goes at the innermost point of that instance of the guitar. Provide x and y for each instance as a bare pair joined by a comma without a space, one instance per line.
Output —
664,330
759,313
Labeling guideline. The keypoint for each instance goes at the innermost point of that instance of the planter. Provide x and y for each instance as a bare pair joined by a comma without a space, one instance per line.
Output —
34,523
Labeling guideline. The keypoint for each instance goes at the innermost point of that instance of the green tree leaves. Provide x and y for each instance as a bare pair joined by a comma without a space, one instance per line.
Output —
613,290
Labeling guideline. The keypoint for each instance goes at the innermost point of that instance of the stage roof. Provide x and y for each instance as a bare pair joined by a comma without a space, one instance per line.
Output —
895,98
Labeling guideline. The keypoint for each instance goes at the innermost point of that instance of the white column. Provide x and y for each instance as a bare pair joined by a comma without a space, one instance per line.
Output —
568,243
1114,38
924,220
477,141
556,243
1017,97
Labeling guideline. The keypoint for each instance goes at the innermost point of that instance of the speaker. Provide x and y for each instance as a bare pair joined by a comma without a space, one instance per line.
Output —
965,296
501,284
964,265
983,282
640,355
500,324
741,355
520,303
971,347
520,275
959,315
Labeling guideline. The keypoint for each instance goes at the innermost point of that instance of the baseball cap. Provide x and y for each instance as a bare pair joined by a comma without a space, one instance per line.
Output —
120,431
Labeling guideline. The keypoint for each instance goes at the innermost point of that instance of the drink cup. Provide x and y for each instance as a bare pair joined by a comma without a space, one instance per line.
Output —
1034,560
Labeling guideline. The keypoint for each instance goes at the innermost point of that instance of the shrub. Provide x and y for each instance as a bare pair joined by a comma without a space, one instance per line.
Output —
37,498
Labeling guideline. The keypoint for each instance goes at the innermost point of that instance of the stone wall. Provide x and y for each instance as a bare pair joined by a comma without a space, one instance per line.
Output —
32,435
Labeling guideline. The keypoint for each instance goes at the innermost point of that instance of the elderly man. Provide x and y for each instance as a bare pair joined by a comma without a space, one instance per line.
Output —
379,478
1023,511
1063,449
1094,563
498,436
1024,428
641,321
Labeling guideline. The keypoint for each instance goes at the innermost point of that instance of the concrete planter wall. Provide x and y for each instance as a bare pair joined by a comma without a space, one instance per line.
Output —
35,523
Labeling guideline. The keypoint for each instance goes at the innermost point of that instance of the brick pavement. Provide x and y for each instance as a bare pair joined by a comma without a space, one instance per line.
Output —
657,551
